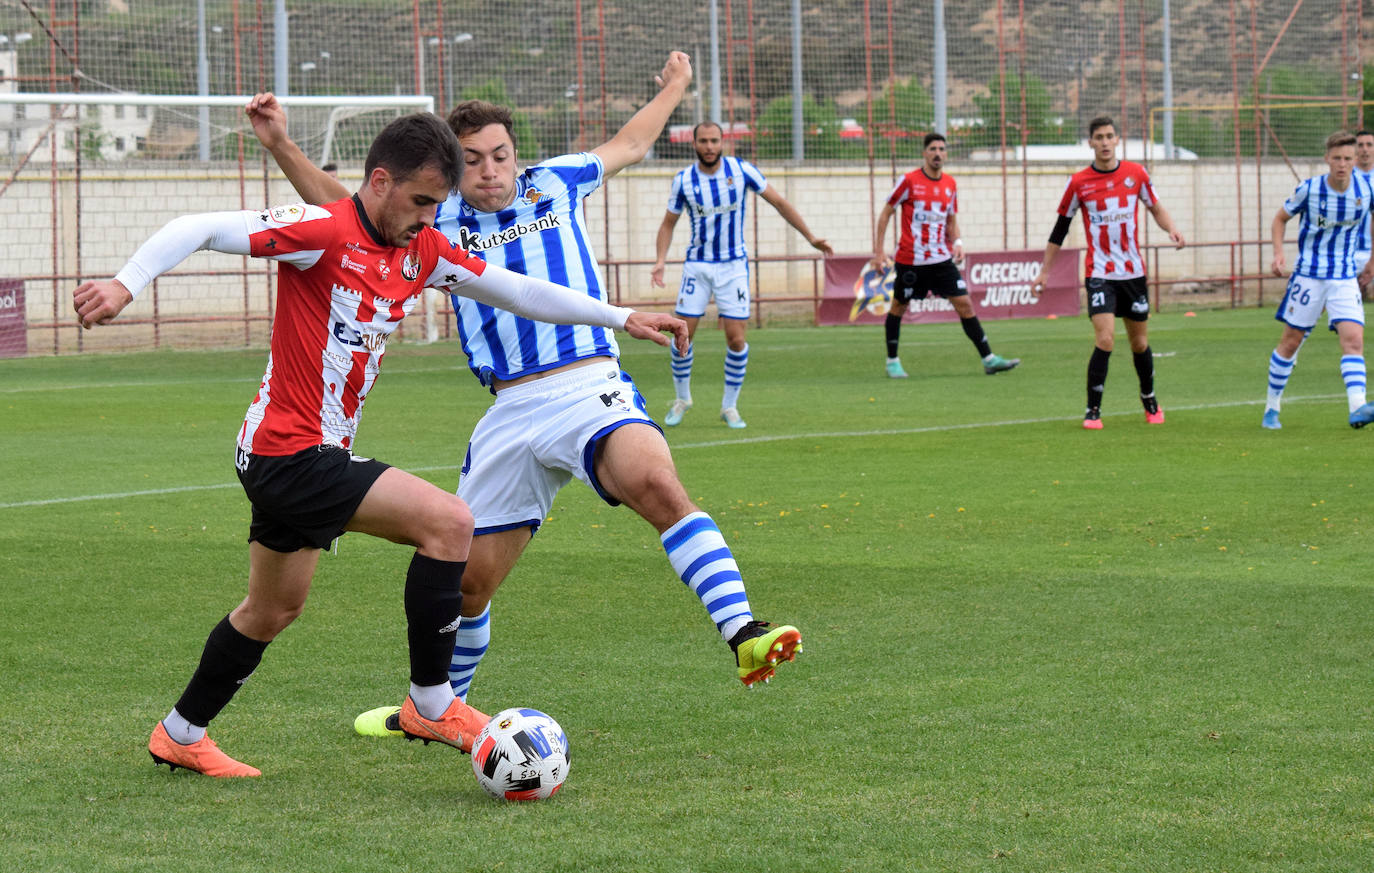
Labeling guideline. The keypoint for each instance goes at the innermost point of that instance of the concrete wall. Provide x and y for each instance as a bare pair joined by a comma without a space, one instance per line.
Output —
116,211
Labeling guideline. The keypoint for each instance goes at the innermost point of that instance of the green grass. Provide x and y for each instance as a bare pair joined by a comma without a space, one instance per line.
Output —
1028,647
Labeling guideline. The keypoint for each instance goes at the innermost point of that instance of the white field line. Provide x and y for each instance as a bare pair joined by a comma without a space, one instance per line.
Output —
772,438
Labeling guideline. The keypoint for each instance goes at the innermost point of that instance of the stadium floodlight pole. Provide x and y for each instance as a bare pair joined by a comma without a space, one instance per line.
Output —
281,77
798,124
202,81
1168,87
714,20
941,63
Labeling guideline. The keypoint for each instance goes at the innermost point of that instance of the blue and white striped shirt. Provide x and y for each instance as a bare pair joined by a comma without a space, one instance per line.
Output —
543,234
1329,225
1364,243
716,206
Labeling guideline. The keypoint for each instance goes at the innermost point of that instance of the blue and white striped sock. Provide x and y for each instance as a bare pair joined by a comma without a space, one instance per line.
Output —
736,362
703,561
682,372
1353,372
474,635
1280,368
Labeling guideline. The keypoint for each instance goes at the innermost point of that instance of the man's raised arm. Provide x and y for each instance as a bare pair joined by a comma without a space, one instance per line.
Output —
631,143
269,123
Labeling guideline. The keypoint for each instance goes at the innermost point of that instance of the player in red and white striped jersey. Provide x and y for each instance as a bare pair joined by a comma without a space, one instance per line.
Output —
926,257
350,272
1108,192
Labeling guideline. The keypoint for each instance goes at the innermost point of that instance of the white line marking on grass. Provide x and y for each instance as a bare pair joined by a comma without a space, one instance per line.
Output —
701,445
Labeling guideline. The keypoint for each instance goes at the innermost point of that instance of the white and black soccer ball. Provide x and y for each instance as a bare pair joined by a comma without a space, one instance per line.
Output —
522,754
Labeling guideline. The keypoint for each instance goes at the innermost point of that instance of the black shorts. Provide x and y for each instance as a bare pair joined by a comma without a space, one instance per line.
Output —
1124,298
912,281
304,501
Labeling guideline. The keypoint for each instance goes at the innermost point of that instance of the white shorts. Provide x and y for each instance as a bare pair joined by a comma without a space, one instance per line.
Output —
537,436
726,281
1305,298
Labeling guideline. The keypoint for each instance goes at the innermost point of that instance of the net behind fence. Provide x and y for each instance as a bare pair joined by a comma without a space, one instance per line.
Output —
1250,94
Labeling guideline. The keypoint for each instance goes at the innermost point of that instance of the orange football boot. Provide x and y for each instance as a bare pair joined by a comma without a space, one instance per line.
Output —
458,726
202,756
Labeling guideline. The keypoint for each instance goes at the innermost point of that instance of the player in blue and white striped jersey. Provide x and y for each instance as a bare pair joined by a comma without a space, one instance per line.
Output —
712,191
1364,166
1333,211
563,406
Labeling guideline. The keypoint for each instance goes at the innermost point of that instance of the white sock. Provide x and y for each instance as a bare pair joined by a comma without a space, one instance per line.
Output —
431,701
1353,372
181,730
735,365
682,372
1280,368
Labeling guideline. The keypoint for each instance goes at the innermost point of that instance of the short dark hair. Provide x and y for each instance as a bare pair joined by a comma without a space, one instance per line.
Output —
1100,121
1340,138
471,116
330,167
1362,132
412,143
701,124
933,137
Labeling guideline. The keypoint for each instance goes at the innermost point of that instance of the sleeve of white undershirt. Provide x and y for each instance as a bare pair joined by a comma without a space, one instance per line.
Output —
527,296
226,232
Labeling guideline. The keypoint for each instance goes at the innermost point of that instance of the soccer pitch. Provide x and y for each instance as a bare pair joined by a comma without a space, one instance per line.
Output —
1029,647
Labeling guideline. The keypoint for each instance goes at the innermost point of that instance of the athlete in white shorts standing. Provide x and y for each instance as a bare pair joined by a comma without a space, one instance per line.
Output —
717,265
563,406
1364,167
1333,211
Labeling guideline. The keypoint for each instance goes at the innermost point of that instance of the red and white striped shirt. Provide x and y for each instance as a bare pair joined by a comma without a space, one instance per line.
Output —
1108,202
342,292
926,206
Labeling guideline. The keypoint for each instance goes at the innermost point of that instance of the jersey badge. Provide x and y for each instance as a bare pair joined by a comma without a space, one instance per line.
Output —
410,266
1129,181
534,195
287,214
384,269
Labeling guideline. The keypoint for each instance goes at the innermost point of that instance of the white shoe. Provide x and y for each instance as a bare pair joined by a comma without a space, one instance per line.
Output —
731,417
676,411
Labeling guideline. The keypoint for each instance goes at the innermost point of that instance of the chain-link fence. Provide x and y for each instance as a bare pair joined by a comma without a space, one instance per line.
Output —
1237,115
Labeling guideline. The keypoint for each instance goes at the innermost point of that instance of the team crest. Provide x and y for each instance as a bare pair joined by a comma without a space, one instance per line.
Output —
1128,181
384,268
534,195
410,266
287,214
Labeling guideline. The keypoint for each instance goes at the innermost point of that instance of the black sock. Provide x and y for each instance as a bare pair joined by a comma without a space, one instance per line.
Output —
433,596
227,661
974,331
1145,369
1097,376
893,328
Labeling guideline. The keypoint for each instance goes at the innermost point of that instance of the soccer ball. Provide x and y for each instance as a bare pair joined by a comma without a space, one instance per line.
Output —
522,754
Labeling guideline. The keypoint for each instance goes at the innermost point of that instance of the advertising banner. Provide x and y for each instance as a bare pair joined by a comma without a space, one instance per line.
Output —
14,337
999,284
